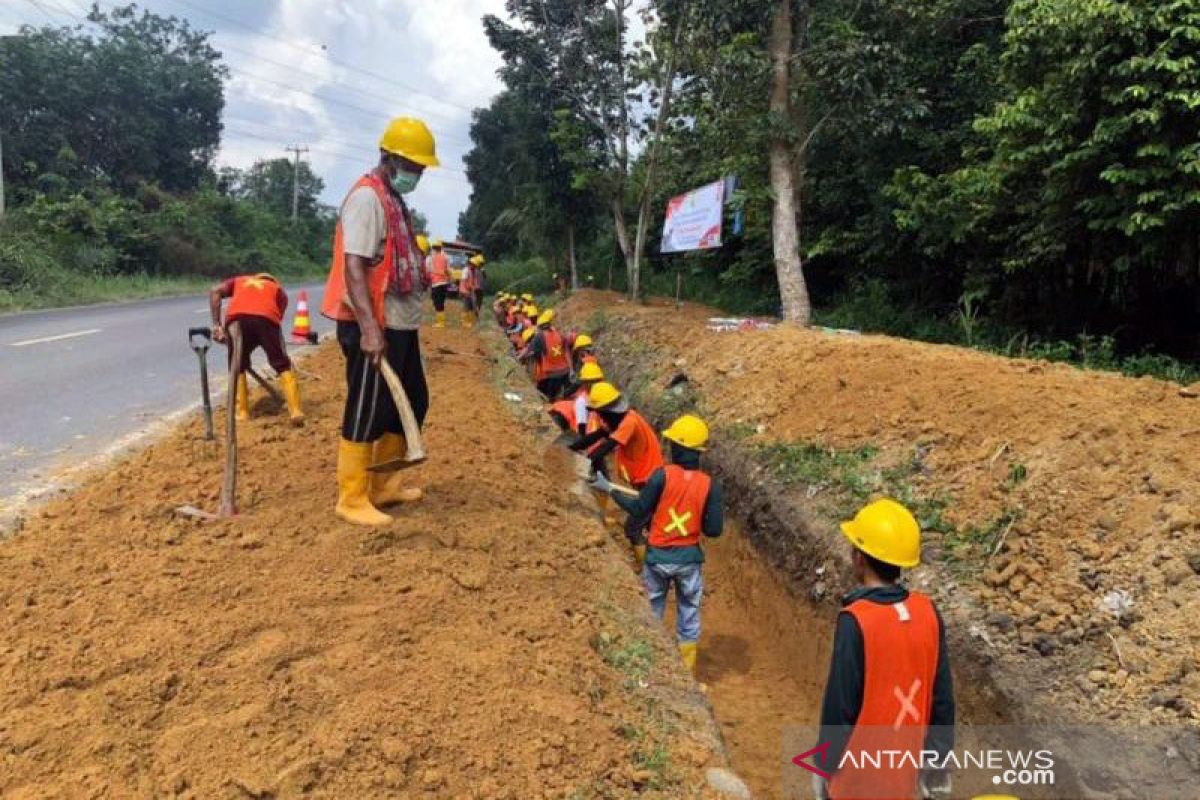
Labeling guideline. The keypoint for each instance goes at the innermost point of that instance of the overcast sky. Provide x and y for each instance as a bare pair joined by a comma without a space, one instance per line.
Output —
330,74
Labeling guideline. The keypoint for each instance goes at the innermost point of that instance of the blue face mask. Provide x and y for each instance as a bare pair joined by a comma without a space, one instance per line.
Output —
404,182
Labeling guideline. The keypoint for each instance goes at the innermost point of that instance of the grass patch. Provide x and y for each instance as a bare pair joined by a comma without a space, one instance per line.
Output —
631,655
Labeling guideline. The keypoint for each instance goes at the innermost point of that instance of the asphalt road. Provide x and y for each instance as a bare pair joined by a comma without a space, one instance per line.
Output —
76,382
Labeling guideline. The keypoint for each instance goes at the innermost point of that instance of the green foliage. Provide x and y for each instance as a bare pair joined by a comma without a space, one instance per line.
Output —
138,102
110,165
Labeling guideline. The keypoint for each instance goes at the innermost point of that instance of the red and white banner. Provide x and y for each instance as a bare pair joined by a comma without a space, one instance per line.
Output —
694,219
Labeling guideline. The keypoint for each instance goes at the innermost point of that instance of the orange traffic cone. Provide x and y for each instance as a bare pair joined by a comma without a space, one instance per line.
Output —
301,332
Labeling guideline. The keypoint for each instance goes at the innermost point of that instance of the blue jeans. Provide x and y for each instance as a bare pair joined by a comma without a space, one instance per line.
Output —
689,591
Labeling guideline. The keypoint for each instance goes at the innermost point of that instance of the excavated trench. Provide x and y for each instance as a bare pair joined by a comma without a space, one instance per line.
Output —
772,584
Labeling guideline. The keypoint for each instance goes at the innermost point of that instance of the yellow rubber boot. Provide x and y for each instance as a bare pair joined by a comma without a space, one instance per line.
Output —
242,398
353,504
439,319
687,651
387,488
291,392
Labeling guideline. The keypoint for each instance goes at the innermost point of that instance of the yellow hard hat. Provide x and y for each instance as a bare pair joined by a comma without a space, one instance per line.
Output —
603,395
546,317
422,243
528,298
689,431
410,138
530,311
527,334
436,242
591,372
477,260
582,341
887,531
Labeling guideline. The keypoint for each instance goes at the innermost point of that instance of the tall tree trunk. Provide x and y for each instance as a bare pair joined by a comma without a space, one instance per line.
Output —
617,206
666,85
785,234
571,255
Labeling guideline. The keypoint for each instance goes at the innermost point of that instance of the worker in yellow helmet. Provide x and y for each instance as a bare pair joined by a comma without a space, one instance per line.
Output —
548,353
583,351
889,682
470,290
677,505
376,291
440,279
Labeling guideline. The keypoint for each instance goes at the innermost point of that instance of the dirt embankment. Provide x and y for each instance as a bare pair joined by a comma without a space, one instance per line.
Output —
490,643
1062,506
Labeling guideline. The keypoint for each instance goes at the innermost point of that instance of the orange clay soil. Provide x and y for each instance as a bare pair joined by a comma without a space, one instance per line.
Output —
1097,473
451,654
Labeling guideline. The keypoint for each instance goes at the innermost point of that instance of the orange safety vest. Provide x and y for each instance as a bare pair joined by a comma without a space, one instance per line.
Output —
641,454
553,360
900,655
565,409
336,303
677,519
255,296
468,283
439,268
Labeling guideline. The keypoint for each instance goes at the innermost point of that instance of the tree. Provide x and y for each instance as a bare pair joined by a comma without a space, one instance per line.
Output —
269,183
138,102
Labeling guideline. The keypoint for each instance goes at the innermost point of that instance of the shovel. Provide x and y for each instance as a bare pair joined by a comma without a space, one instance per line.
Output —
415,451
201,339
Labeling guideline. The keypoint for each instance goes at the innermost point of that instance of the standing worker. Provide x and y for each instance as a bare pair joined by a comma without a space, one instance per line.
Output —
467,286
257,303
889,681
480,264
375,292
548,352
583,351
679,503
439,278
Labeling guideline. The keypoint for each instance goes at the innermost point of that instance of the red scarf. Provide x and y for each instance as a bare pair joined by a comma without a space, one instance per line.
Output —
405,258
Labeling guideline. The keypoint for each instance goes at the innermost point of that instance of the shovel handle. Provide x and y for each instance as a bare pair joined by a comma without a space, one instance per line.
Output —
408,420
229,484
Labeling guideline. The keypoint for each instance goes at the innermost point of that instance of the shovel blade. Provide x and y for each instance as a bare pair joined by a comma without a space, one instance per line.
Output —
395,465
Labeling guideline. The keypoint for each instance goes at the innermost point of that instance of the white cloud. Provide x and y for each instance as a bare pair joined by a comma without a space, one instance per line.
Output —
422,51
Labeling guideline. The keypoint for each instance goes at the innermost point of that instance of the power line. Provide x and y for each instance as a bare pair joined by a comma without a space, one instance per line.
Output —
351,67
242,71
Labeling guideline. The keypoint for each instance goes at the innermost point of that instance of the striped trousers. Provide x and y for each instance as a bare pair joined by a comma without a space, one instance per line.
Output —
370,411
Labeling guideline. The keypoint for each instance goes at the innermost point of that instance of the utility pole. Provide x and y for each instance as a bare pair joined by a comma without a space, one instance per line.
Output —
1,176
297,149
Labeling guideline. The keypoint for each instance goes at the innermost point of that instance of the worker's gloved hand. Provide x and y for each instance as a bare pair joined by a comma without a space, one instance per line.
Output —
218,334
820,787
600,483
936,784
576,445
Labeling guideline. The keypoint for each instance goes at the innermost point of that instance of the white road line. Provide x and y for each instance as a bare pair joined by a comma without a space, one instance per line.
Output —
61,336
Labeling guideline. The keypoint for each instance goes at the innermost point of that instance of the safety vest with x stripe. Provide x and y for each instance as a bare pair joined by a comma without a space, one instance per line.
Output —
900,655
680,510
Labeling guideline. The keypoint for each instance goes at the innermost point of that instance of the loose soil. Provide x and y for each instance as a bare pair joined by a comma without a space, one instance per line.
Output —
470,649
1068,548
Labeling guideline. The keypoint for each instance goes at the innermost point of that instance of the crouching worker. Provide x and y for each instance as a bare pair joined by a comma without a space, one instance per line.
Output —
889,681
679,503
256,303
622,431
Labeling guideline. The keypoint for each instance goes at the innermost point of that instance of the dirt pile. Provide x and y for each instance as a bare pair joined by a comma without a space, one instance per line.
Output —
490,643
1062,506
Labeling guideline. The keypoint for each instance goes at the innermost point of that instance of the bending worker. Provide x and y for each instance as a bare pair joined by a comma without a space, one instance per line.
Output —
889,681
256,303
375,291
679,503
439,279
623,431
548,352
